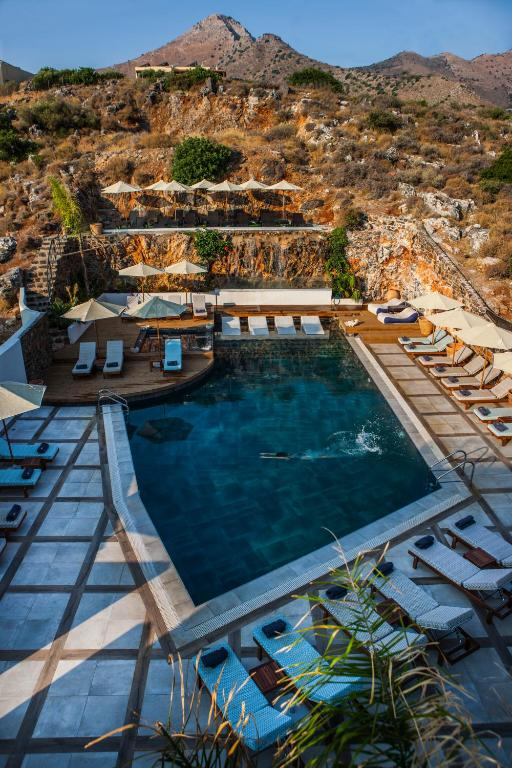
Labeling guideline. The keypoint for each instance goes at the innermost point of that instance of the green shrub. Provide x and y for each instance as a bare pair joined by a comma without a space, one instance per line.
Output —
197,158
210,245
343,281
318,78
494,113
59,117
180,81
6,118
48,77
13,147
501,170
354,219
380,120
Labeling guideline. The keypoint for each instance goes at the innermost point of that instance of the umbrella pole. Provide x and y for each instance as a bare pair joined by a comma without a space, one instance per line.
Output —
6,433
97,337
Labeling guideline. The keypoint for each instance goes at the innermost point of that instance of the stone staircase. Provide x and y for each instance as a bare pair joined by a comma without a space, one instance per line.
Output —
43,271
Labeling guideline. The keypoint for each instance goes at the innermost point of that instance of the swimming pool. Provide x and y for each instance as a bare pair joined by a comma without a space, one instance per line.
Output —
265,461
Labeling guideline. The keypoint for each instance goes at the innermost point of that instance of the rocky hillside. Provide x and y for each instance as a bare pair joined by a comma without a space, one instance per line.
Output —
392,159
222,42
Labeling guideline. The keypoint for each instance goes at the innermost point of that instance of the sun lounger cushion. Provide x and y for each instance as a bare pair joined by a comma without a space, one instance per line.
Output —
491,414
214,658
465,522
13,513
336,592
311,325
242,703
300,661
425,542
274,629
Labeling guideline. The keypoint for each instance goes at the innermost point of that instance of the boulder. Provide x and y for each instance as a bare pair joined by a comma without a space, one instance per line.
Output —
444,205
440,228
7,248
477,235
10,283
311,205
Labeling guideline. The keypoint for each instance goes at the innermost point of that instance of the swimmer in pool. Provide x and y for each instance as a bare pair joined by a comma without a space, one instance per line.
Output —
278,455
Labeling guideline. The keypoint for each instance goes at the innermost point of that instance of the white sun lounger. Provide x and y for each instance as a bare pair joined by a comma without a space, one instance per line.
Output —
230,326
432,338
257,325
478,584
285,325
476,535
407,315
442,370
376,309
311,325
172,356
461,382
199,305
115,358
419,605
84,366
471,396
501,430
427,349
448,361
492,414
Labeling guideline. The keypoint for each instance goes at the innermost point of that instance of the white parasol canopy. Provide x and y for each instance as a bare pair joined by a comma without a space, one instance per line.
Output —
434,301
15,398
456,319
253,185
184,267
141,270
503,361
120,188
489,336
203,184
155,308
225,186
158,186
93,310
284,186
176,186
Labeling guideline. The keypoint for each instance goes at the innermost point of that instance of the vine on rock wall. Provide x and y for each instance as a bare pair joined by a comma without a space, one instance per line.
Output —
343,281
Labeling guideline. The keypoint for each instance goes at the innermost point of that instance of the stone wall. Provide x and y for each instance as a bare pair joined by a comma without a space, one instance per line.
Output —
36,348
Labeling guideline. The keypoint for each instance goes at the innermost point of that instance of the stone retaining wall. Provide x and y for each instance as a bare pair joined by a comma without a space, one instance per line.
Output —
36,348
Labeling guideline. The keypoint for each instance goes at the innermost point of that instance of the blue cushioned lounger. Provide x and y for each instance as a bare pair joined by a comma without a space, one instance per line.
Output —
22,451
242,703
297,657
13,478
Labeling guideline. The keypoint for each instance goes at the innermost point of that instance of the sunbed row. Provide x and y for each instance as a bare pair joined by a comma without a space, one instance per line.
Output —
86,364
284,325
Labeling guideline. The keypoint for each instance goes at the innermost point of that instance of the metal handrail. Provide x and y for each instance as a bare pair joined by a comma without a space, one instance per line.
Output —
449,456
462,465
108,397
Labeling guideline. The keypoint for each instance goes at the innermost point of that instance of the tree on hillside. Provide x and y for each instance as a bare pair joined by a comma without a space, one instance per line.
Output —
67,208
197,158
311,76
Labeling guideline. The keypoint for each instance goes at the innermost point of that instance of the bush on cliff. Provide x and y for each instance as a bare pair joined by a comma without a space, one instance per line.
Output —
48,77
58,117
210,245
198,158
343,281
180,81
316,78
13,147
380,120
500,170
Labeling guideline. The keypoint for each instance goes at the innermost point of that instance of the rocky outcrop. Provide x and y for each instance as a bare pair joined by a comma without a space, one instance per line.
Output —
7,248
439,202
10,283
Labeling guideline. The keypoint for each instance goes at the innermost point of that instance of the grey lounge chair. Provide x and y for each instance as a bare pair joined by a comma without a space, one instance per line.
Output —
84,366
257,325
439,621
501,430
480,585
231,326
366,626
494,395
492,414
15,477
445,369
300,661
311,325
432,338
284,325
12,518
463,382
42,452
428,349
476,535
454,361
115,358
243,705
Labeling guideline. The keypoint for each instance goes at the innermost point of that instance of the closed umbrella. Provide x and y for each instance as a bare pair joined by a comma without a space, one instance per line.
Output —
141,270
156,308
93,310
284,187
15,398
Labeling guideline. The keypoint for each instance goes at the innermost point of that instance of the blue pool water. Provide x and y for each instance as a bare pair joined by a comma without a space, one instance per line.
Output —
228,515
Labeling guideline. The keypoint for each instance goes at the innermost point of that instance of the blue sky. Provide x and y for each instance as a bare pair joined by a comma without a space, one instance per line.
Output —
65,33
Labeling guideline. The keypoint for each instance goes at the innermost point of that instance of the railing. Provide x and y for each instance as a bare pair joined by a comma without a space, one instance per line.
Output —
108,397
461,465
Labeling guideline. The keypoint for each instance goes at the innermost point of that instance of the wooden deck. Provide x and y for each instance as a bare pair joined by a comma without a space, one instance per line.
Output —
139,379
373,332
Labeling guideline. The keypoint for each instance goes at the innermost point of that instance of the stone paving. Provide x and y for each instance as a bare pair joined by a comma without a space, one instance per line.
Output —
79,647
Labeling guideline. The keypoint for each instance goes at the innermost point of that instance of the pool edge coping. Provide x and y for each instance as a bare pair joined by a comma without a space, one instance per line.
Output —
190,624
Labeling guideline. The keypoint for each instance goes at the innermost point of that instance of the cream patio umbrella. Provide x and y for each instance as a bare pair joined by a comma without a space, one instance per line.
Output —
434,301
251,185
285,186
120,188
141,270
227,187
177,188
455,320
93,310
488,336
15,398
156,308
202,185
184,267
503,361
158,186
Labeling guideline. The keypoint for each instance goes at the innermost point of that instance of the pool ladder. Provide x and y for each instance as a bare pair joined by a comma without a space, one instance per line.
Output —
465,462
108,397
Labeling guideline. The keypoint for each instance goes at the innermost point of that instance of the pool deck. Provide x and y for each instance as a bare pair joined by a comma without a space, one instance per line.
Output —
83,645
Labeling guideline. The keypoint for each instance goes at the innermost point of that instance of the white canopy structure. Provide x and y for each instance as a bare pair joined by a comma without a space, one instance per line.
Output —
93,310
456,319
120,188
176,186
158,186
253,186
225,186
15,398
185,267
284,186
203,184
141,270
434,301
